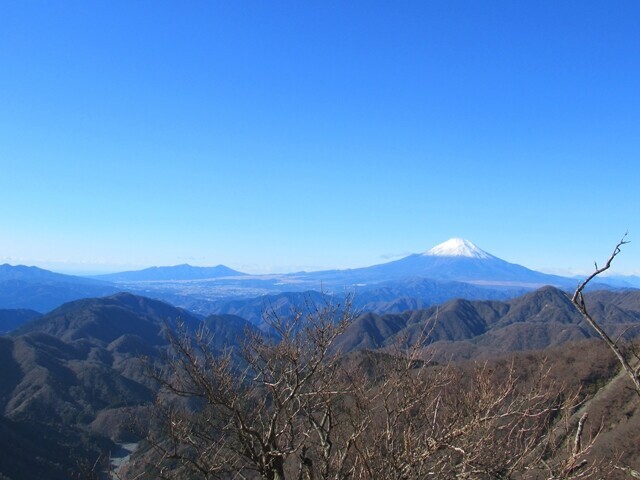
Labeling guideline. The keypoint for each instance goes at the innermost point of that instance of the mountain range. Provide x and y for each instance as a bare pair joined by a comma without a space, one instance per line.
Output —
463,329
73,379
455,268
388,297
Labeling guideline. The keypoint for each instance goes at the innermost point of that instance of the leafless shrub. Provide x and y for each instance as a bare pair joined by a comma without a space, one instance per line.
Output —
287,406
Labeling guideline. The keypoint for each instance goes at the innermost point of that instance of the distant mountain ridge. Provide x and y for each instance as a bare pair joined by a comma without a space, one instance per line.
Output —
176,272
455,260
388,297
455,268
622,281
34,288
23,273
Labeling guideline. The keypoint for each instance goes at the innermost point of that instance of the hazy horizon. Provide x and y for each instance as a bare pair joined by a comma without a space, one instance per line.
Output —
91,270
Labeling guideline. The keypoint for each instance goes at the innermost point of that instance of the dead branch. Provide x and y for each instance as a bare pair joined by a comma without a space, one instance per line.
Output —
579,302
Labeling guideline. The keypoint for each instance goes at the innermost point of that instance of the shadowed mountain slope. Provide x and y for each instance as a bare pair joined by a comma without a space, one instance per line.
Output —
105,319
466,329
78,371
10,319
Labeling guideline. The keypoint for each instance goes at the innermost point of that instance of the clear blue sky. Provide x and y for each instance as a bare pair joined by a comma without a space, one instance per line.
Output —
310,134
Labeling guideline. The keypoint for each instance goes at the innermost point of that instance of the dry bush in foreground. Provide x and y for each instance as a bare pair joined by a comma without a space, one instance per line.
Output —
288,407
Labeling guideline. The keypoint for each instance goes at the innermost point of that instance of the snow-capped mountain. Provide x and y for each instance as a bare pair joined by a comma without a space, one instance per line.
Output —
457,247
454,260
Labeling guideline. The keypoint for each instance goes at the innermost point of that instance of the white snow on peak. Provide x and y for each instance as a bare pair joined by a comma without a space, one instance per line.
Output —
457,247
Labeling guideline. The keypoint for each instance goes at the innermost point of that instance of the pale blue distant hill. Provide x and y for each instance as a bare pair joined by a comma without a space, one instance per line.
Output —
41,290
621,281
176,272
31,275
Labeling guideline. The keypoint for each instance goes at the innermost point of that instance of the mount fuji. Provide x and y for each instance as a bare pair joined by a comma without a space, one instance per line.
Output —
454,269
458,247
456,260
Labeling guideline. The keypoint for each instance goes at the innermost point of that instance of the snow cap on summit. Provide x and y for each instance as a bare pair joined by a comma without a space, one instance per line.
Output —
457,247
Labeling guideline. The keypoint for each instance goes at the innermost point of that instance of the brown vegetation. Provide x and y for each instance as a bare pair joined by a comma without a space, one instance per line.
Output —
288,406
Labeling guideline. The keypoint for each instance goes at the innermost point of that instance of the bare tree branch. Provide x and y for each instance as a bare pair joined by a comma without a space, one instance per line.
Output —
289,407
579,302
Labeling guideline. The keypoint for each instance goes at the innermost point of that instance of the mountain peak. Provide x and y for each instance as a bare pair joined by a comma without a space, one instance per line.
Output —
174,272
457,247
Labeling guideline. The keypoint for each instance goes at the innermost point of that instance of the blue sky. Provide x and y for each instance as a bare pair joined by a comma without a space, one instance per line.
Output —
274,136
